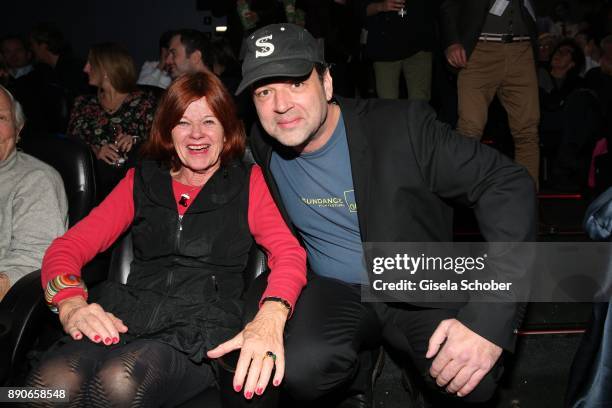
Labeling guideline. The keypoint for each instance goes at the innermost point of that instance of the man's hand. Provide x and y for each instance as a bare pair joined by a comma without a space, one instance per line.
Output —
264,333
455,55
463,357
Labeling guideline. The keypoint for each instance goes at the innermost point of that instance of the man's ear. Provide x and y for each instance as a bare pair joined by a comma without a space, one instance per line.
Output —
328,85
196,58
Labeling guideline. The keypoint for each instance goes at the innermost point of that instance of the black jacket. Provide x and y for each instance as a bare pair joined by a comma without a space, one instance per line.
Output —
407,167
461,21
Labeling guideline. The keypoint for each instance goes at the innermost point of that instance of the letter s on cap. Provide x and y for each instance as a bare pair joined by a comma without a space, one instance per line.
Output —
266,48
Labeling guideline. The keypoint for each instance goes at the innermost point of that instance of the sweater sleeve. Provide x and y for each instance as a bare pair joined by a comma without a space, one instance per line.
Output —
39,216
286,258
92,235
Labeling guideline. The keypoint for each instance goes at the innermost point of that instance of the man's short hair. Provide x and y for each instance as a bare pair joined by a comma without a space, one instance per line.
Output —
47,33
164,39
194,40
18,115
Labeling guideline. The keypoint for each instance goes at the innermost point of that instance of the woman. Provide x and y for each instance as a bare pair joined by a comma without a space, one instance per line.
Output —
114,120
33,206
193,213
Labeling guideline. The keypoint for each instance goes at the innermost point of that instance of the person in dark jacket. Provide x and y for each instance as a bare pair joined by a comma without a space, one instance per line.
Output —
347,172
193,211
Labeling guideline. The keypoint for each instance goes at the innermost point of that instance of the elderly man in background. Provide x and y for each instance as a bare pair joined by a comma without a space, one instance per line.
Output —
33,205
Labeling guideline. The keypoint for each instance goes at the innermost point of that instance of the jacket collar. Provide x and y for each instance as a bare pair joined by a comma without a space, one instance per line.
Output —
361,166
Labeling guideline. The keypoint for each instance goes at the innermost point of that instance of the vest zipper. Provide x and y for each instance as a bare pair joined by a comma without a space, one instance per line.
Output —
170,277
214,280
179,229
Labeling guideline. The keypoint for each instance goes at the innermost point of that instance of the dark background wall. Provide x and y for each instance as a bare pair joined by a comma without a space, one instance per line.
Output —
135,23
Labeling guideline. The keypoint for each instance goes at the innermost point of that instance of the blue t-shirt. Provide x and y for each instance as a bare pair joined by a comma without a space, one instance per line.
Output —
317,191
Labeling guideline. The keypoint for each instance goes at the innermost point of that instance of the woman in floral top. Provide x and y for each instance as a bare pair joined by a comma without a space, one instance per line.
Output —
115,120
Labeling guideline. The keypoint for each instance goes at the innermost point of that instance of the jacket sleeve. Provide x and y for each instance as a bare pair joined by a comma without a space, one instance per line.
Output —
502,195
449,18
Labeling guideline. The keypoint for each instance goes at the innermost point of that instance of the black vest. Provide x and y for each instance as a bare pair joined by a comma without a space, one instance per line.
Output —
185,283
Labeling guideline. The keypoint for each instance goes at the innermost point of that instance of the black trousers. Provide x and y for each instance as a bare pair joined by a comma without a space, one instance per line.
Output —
331,326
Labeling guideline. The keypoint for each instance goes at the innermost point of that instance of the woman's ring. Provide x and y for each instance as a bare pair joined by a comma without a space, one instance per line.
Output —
271,355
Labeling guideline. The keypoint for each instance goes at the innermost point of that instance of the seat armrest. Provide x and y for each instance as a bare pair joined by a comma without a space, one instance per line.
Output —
21,313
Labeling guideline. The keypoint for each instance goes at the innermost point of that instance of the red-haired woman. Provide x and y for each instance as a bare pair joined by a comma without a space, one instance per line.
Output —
194,210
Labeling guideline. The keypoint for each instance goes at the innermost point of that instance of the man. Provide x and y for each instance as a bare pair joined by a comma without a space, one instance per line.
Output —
344,172
16,56
155,73
187,53
33,205
50,50
492,44
48,92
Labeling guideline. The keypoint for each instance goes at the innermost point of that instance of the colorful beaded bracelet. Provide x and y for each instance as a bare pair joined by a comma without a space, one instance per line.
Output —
59,283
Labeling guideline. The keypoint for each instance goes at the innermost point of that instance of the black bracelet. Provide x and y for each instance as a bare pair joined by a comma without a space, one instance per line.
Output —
279,300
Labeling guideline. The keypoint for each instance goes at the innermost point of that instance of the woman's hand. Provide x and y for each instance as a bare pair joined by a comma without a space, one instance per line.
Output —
80,318
124,142
262,335
108,153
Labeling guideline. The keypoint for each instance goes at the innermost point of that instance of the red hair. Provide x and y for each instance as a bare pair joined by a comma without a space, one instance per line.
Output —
173,104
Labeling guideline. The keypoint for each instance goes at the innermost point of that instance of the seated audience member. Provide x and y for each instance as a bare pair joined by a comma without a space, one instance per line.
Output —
562,76
189,52
16,56
194,210
33,206
568,117
155,73
546,43
117,118
586,41
51,50
58,80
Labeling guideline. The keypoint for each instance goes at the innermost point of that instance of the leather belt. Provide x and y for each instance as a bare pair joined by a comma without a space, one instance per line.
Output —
503,38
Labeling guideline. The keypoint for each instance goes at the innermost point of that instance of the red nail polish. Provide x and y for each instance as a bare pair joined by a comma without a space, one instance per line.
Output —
97,338
276,382
115,340
259,391
77,336
249,395
107,340
237,388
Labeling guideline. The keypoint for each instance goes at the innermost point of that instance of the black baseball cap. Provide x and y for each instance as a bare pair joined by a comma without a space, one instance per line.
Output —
279,50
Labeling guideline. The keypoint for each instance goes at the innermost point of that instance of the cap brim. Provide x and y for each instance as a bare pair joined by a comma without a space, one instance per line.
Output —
290,69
